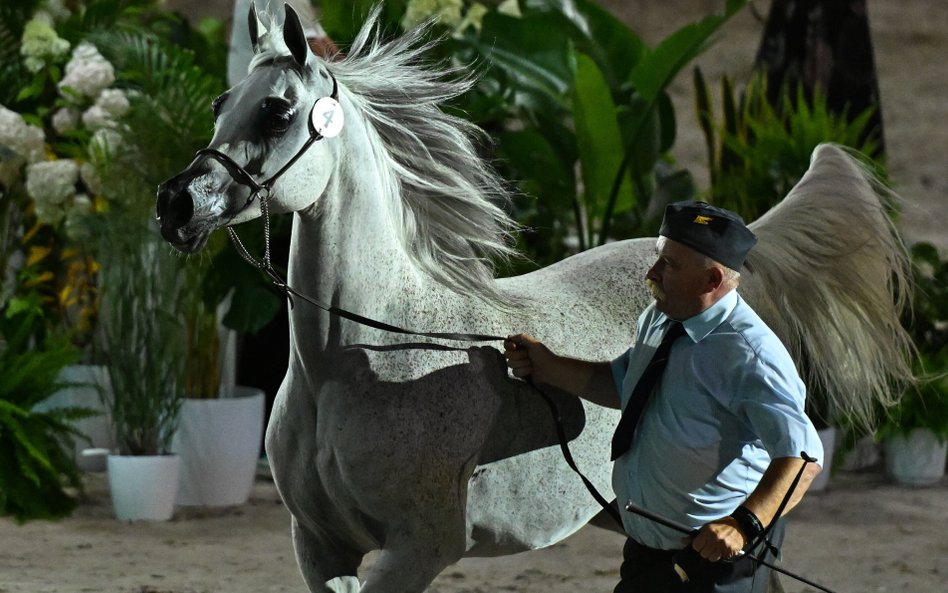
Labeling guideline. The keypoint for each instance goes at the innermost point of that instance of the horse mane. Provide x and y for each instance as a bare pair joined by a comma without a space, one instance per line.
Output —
831,276
445,196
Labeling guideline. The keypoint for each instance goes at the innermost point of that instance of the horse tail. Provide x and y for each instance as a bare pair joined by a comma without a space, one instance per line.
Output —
831,276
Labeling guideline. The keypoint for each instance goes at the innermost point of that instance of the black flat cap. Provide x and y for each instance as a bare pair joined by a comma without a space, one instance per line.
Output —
715,232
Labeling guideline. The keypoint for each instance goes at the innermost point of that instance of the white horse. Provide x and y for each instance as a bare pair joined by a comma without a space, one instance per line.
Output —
420,448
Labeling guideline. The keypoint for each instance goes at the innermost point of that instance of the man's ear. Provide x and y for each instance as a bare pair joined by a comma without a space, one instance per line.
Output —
715,278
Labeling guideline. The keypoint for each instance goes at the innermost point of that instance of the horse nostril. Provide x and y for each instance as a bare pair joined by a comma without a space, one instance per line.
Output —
173,208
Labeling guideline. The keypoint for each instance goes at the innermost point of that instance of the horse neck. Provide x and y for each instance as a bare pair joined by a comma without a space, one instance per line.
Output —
345,251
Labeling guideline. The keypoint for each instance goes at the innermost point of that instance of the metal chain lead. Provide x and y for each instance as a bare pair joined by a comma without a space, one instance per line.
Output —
263,264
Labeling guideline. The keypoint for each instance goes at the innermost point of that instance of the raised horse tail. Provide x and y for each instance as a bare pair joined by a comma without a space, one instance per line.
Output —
831,277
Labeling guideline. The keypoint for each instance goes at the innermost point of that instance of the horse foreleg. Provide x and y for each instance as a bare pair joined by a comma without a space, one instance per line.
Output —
326,567
409,565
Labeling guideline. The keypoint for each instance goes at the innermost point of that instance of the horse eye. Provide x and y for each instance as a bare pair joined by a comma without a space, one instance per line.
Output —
217,104
276,115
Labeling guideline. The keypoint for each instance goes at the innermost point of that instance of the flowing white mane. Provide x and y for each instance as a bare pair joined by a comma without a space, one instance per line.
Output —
445,195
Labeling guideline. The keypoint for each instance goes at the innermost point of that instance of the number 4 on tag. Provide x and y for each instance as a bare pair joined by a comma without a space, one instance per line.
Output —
327,117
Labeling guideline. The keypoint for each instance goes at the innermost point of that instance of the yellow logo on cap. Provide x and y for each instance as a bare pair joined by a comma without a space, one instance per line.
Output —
702,219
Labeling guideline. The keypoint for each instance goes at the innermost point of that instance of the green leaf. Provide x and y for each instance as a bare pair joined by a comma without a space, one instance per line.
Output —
534,53
343,20
657,68
596,32
537,165
253,306
599,140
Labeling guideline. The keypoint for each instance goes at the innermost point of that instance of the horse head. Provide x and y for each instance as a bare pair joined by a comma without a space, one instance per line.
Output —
266,131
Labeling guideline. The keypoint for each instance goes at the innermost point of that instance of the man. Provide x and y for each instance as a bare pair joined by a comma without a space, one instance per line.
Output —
716,444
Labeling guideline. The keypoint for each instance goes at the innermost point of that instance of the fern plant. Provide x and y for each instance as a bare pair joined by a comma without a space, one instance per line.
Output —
37,467
757,152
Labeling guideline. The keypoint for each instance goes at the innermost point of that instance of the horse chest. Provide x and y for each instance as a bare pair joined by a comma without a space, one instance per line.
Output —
352,437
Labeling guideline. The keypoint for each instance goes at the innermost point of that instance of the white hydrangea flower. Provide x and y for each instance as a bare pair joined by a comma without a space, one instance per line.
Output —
51,184
57,9
474,17
510,8
105,141
90,178
113,101
446,12
20,143
87,72
96,118
40,43
65,120
20,137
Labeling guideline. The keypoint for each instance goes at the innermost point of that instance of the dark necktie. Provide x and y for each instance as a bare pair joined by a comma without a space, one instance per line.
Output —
622,439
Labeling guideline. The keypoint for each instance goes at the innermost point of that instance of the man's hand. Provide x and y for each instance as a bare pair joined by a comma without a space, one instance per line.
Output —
528,357
592,381
719,540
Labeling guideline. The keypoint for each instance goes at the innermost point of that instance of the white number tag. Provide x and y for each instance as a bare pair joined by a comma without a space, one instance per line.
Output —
327,117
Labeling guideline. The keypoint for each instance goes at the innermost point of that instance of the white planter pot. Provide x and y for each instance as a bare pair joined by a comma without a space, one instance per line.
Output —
96,428
917,459
143,487
218,441
828,438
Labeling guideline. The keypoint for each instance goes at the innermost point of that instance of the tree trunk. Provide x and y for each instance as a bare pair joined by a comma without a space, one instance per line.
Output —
826,45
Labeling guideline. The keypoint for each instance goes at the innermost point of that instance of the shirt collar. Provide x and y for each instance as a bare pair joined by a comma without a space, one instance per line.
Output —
702,324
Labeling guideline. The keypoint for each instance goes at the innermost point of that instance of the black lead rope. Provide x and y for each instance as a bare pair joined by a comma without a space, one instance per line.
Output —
266,266
263,191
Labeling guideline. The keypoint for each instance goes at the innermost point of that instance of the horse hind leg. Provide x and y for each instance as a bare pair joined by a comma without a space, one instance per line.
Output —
326,568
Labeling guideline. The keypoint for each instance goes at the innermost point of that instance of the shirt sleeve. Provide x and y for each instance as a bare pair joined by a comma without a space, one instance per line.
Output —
771,400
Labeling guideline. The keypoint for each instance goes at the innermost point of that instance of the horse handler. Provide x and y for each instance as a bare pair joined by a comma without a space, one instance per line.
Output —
713,425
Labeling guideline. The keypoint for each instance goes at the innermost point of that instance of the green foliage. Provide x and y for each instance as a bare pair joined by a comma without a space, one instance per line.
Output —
37,467
757,152
577,105
140,332
156,330
925,405
170,116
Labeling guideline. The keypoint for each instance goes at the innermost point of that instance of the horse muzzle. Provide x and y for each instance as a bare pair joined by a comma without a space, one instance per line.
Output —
174,208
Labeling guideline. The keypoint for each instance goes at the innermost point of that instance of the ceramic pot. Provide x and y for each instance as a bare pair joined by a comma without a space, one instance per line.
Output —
916,459
218,441
143,487
91,385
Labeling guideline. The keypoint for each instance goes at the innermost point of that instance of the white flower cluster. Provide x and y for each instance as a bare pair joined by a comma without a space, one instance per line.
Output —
40,44
446,12
52,185
58,186
20,143
87,72
89,76
451,13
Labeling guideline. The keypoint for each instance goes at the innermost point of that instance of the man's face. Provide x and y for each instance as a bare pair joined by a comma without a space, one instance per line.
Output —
678,279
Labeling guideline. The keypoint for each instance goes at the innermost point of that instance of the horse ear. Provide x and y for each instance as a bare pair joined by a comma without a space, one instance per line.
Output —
255,26
294,36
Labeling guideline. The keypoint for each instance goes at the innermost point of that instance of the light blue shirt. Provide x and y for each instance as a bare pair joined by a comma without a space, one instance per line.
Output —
729,401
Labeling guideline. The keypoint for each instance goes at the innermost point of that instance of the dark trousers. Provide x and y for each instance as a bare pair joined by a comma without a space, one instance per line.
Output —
647,570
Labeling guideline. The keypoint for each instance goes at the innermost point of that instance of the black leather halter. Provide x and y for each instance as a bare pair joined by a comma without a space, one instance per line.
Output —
240,174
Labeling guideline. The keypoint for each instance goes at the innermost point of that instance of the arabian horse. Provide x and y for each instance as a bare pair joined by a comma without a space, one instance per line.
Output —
425,449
